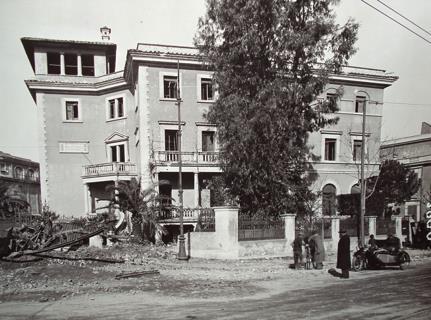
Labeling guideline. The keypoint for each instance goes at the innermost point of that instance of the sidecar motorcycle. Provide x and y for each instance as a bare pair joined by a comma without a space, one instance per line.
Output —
379,258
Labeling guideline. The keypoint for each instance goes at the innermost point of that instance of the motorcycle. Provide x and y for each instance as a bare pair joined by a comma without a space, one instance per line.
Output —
379,258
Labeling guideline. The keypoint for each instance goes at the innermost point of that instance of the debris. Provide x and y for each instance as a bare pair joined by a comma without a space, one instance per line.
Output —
107,260
136,274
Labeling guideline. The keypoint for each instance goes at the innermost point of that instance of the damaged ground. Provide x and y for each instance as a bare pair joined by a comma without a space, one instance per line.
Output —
47,279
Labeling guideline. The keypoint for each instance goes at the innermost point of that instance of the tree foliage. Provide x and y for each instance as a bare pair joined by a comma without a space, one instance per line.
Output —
271,60
394,184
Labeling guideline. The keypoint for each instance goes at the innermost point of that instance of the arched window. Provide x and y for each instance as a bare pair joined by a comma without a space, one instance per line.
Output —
19,173
30,174
329,200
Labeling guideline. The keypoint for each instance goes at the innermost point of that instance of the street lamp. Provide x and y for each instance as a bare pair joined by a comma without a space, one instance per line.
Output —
181,240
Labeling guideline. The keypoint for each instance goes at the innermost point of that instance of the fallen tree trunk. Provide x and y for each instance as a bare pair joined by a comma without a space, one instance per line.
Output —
107,260
136,274
57,246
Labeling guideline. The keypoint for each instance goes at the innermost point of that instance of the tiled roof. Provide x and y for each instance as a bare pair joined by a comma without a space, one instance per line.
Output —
98,43
11,157
168,49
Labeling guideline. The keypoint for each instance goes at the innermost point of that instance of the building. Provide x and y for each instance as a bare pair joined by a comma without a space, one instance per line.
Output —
98,125
19,178
415,153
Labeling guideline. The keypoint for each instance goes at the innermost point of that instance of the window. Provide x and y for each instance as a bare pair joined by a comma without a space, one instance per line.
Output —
19,173
72,111
331,97
118,153
170,87
208,141
71,64
30,174
171,140
4,168
329,200
330,149
357,150
115,108
359,104
171,145
87,62
206,89
53,60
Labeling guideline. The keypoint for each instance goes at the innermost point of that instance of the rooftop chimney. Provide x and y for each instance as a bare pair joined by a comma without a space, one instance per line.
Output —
106,33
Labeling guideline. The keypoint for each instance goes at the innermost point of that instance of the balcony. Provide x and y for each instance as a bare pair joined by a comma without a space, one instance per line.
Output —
110,169
187,157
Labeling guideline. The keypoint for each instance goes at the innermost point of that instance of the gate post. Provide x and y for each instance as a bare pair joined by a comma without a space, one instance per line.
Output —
289,229
372,225
226,229
335,228
398,229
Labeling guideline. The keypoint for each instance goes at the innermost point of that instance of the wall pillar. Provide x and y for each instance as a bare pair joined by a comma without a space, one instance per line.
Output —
62,64
196,189
398,228
226,229
372,225
335,230
289,229
87,204
79,64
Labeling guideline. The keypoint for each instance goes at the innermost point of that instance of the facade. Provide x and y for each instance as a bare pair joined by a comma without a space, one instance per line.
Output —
415,153
98,126
20,178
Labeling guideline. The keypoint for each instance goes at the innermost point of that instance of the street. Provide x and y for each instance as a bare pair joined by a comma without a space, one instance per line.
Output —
383,294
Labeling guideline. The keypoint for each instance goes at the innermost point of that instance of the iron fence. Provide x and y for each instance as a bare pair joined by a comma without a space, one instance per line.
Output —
251,228
385,226
206,220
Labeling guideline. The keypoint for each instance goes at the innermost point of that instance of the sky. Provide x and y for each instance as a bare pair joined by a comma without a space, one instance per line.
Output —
382,44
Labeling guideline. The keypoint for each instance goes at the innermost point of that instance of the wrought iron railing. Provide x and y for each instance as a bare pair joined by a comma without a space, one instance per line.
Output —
172,213
250,228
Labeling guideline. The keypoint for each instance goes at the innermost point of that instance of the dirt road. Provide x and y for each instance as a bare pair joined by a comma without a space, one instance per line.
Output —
386,294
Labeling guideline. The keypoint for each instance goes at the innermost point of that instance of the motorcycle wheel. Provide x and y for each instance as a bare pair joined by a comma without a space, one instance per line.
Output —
357,263
404,259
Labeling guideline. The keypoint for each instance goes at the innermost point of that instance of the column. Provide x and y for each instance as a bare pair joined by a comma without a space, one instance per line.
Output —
78,61
226,229
196,189
398,228
156,182
62,65
87,198
289,229
372,225
335,230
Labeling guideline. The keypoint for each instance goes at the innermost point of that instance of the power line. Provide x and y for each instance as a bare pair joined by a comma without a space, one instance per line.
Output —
398,13
396,21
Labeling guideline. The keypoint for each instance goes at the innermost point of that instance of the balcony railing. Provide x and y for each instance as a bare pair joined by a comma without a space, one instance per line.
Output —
112,168
202,157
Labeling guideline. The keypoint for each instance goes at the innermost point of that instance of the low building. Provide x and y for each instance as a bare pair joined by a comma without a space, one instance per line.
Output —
413,152
19,178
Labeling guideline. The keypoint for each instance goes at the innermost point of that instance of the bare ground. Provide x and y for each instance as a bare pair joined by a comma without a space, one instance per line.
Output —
195,280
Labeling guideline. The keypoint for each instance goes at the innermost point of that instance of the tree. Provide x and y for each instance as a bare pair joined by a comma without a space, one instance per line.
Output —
394,184
143,204
271,60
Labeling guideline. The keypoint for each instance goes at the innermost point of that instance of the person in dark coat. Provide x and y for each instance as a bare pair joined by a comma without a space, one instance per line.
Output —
297,251
317,250
343,254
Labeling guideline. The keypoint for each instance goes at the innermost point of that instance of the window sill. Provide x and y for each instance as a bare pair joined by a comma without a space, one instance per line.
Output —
170,99
206,101
115,119
73,121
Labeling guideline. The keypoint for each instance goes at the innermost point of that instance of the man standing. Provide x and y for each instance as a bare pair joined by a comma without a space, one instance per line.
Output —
297,251
317,250
343,254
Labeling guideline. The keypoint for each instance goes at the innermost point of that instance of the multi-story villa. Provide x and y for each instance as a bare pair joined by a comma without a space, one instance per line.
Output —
98,125
20,179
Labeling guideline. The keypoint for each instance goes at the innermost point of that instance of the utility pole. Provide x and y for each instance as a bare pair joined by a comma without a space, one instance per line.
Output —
181,240
363,184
